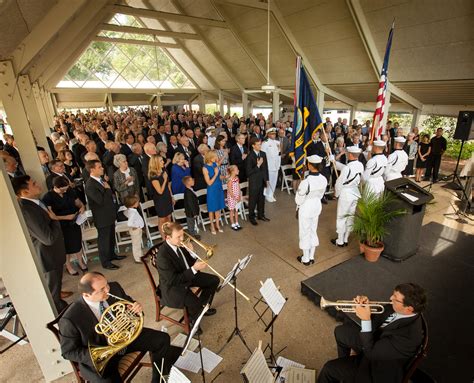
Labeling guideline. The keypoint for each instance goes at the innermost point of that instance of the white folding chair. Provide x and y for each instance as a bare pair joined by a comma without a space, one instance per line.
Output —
179,215
89,236
287,178
203,209
151,222
243,206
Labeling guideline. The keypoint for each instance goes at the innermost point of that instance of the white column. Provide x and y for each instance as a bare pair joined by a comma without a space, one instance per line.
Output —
24,282
245,104
221,103
54,102
202,103
351,115
49,103
320,102
276,106
11,98
48,114
416,118
110,102
33,106
251,107
159,104
228,106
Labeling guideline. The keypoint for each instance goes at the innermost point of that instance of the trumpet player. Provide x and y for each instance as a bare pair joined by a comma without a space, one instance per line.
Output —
179,272
382,346
77,331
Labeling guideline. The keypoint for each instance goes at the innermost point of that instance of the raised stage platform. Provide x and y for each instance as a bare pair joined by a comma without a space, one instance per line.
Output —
444,266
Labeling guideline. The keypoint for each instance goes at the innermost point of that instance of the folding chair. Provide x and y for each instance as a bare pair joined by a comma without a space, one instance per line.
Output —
151,222
243,208
128,365
287,178
179,215
420,355
202,194
89,236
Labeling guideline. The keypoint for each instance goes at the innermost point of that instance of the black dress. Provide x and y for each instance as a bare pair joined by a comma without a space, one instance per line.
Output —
423,150
65,205
163,202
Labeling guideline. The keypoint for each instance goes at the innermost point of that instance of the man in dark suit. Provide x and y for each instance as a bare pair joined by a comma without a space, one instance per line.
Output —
172,147
257,173
179,271
126,148
45,233
185,148
149,150
104,213
197,165
135,160
238,154
384,345
77,331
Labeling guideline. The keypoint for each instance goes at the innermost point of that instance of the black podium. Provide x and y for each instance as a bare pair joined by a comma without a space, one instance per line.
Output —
402,239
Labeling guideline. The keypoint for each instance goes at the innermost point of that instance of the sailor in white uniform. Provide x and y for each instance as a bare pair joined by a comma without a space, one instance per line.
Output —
347,191
375,168
397,161
308,201
271,147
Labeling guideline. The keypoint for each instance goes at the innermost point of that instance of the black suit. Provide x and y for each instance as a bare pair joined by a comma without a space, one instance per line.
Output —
104,213
171,152
176,280
197,165
189,154
48,240
125,150
148,185
383,353
135,161
77,331
258,177
235,158
79,150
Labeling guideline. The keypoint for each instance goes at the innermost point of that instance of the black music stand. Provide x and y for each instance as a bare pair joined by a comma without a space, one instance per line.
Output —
269,327
232,277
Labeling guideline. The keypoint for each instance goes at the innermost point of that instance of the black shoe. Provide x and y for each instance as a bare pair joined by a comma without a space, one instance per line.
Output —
299,258
334,242
311,261
346,243
263,218
235,228
111,266
253,221
73,274
119,257
324,201
210,312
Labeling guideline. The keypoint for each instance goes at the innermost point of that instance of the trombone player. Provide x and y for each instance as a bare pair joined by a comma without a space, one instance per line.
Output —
179,272
77,331
382,346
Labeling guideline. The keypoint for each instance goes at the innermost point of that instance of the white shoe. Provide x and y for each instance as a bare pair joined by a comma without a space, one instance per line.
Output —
270,199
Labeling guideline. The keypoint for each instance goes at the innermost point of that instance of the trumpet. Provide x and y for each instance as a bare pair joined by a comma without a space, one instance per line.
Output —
209,254
350,306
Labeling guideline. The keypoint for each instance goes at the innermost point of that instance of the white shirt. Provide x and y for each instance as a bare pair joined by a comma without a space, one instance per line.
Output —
180,254
98,179
127,174
38,202
134,218
94,306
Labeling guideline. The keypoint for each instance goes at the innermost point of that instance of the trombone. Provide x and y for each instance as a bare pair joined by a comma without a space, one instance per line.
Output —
209,253
350,306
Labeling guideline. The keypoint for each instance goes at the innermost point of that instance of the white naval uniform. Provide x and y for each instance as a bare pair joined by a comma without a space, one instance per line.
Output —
373,174
396,164
347,190
272,150
308,199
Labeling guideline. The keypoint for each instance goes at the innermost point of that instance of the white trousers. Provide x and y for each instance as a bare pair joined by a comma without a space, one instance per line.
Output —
376,185
136,234
272,180
346,205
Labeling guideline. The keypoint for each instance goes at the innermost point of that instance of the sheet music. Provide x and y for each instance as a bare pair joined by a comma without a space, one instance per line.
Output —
410,197
239,266
272,296
177,376
190,361
195,328
286,364
81,218
300,375
180,341
256,369
210,360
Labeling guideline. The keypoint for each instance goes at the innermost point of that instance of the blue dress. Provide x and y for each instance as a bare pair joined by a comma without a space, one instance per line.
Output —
215,192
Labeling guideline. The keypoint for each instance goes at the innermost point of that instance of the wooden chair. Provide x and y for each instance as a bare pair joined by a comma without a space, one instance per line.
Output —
420,355
149,259
128,365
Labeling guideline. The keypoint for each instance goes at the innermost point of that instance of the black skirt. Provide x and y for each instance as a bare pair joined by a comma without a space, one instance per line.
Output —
72,238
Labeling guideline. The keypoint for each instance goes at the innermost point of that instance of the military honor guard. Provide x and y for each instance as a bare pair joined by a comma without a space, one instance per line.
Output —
397,160
348,193
308,200
271,147
375,168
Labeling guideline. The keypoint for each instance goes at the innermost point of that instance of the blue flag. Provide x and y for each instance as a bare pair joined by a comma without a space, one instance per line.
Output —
307,120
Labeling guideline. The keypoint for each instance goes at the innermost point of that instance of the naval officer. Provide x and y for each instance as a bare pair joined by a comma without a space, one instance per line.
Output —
397,160
375,168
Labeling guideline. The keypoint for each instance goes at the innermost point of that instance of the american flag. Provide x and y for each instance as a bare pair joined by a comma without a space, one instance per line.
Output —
380,117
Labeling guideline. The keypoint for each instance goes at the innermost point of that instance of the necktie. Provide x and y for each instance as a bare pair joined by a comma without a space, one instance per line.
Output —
258,155
389,320
42,205
242,149
101,308
182,256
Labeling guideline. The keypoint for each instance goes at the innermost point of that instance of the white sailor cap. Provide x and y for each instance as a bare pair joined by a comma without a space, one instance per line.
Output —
354,149
210,129
400,140
270,131
314,159
379,143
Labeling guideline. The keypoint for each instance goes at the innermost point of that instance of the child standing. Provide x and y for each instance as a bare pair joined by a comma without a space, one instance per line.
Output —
135,223
191,206
233,196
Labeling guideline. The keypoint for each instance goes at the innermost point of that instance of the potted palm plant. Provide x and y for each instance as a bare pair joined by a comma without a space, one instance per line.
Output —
372,215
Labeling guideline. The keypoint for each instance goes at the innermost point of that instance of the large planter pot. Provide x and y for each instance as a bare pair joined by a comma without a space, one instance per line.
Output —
361,248
372,254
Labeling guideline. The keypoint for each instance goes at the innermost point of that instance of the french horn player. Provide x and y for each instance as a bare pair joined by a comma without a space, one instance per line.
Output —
81,342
